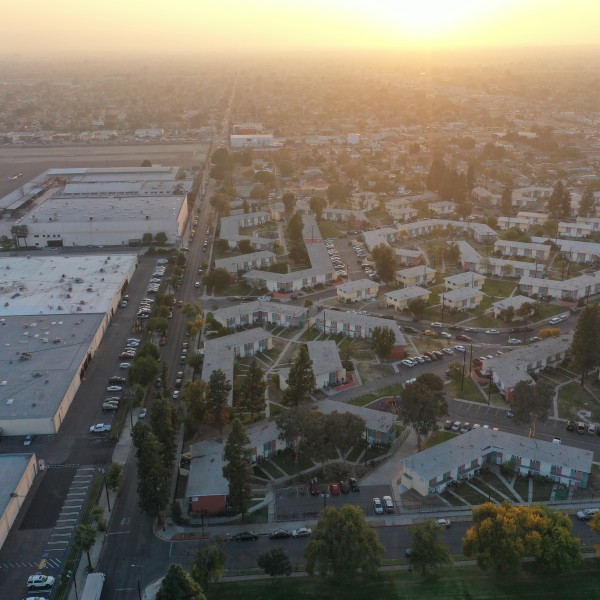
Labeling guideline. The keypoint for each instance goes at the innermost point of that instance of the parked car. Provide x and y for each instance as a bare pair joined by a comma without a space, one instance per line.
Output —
335,489
571,425
27,441
388,505
446,335
460,348
110,406
176,395
344,487
116,380
377,506
587,513
100,428
436,324
407,363
301,532
279,534
456,426
514,341
448,350
448,425
464,338
114,388
40,582
442,523
465,427
492,332
245,536
124,365
142,414
354,485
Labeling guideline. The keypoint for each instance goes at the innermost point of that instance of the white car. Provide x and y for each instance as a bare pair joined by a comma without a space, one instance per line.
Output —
442,523
388,505
143,413
514,341
176,395
448,350
407,363
301,532
460,348
114,388
436,324
492,331
40,582
377,506
100,428
124,365
446,335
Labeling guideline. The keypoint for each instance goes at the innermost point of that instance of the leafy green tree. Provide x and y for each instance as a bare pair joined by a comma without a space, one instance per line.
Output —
426,549
385,262
555,202
244,246
565,205
343,544
275,563
337,193
147,239
295,227
146,163
157,325
417,307
238,467
422,407
587,207
289,201
328,433
382,341
295,426
585,349
436,173
85,537
164,423
143,370
218,280
179,585
209,565
301,379
153,477
114,477
252,392
194,395
595,526
160,238
195,360
455,371
217,398
317,205
148,349
506,207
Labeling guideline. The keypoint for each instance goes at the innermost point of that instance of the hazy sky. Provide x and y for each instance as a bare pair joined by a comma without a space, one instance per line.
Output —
191,26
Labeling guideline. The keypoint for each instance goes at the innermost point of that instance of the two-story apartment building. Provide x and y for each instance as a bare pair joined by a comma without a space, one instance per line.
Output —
245,262
260,312
421,275
361,290
569,290
523,249
442,209
408,257
575,230
326,364
467,279
400,299
462,298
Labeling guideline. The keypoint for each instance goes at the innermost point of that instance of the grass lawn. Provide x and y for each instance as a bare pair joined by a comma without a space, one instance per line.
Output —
452,499
285,460
498,288
541,490
470,495
522,488
269,470
572,397
390,390
439,438
449,582
492,480
546,310
469,391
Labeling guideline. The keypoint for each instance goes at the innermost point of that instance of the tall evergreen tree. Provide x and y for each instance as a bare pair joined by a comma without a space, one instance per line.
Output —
555,202
587,206
289,200
301,379
506,201
179,585
565,205
238,467
252,392
436,174
217,398
382,341
585,349
294,227
470,181
164,422
385,262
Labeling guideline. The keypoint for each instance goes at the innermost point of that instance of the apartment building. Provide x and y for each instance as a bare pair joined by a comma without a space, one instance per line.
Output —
420,275
361,290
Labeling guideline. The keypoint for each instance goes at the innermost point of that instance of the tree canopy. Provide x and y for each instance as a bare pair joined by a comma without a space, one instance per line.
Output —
301,379
179,585
238,467
252,391
343,544
217,398
385,262
426,549
275,563
585,349
209,565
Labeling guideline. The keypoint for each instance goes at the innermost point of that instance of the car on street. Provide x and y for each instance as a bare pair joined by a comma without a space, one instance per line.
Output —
388,505
124,365
442,523
377,506
335,489
176,395
407,363
448,350
492,332
114,388
571,425
40,582
354,484
410,329
100,428
464,338
245,536
126,356
110,406
142,414
465,427
301,532
280,534
116,380
514,341
344,487
448,425
27,441
460,348
446,335
587,513
428,332
557,320
436,324
456,426
535,338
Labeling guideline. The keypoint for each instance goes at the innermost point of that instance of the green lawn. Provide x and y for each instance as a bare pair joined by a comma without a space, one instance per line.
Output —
492,480
498,288
470,495
285,460
522,488
451,582
572,397
439,438
390,390
541,490
469,391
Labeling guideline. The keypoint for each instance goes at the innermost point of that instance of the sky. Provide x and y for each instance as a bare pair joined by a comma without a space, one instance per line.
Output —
178,27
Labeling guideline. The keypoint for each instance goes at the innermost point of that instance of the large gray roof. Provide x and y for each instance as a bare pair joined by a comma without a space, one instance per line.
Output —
12,469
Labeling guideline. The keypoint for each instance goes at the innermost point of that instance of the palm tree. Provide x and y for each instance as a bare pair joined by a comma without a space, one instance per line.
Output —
85,536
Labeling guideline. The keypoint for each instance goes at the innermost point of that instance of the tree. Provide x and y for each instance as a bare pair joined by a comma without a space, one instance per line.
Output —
506,201
436,173
244,246
146,163
317,205
422,406
565,204
209,565
336,193
385,262
531,403
114,476
585,350
417,307
327,434
85,536
426,549
194,395
195,360
179,585
343,544
160,238
382,341
595,525
295,227
455,371
547,332
301,379
217,280
153,477
295,426
275,563
143,370
286,169
217,398
555,202
587,207
289,200
164,422
238,467
252,392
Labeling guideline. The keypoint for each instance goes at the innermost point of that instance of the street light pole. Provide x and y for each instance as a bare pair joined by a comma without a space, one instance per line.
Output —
70,576
138,581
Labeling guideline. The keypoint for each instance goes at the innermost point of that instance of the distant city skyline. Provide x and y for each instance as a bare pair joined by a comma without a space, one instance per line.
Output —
65,27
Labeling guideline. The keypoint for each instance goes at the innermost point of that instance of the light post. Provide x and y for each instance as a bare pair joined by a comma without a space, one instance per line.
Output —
103,471
138,581
71,576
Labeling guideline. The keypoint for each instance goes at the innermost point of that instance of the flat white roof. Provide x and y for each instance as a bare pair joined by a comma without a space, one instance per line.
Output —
12,469
461,294
324,356
357,286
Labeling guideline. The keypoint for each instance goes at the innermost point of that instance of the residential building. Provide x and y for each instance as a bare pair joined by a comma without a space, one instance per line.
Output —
466,279
360,290
356,325
383,235
533,218
462,457
260,312
482,196
472,260
580,252
462,298
514,302
519,223
408,257
207,488
524,249
575,230
230,230
342,215
404,214
569,290
442,209
400,299
251,140
245,262
517,365
421,275
326,364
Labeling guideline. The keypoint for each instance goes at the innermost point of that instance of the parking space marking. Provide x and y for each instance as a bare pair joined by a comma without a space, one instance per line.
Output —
59,542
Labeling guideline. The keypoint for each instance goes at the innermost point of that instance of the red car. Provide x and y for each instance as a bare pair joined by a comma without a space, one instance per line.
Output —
126,356
335,489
